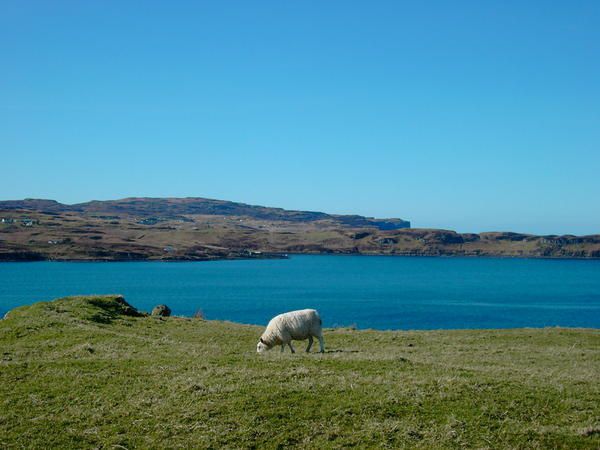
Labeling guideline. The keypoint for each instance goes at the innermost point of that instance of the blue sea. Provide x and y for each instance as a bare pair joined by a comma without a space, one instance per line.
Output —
363,291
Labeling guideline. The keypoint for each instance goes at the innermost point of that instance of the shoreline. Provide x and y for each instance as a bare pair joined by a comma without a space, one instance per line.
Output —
290,254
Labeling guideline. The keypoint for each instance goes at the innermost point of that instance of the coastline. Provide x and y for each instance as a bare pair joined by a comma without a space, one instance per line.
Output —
202,230
290,254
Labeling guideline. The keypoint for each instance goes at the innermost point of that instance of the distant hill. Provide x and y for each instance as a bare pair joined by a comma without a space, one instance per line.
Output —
173,207
202,229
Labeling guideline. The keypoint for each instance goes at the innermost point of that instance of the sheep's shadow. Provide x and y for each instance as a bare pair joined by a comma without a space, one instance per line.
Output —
339,350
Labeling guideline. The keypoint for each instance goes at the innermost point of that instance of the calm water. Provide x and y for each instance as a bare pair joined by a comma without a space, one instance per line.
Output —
369,292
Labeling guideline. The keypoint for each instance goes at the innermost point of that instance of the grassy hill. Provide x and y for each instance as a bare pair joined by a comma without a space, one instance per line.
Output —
91,372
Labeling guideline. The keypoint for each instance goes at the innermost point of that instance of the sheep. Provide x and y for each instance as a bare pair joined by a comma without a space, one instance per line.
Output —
297,325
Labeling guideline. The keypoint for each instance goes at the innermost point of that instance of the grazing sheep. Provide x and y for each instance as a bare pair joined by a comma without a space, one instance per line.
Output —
296,325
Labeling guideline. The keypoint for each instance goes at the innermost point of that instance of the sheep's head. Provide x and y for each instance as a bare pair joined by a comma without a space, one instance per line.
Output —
262,346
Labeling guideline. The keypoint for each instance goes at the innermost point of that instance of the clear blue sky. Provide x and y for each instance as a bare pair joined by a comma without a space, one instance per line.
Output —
464,115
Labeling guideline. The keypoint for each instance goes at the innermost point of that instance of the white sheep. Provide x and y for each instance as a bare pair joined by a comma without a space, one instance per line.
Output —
296,325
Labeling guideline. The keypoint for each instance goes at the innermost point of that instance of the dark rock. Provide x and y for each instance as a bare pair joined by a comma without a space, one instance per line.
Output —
504,236
443,237
470,237
381,224
114,304
20,255
161,310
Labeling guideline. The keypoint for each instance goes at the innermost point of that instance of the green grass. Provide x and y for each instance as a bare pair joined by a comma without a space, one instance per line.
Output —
83,372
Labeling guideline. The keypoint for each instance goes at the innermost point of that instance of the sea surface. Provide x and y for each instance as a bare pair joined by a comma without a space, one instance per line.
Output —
363,291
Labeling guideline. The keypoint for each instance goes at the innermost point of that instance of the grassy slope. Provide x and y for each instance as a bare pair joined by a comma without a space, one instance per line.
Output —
77,373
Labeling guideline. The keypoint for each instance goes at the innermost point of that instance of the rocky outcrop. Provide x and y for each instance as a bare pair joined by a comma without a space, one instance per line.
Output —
161,311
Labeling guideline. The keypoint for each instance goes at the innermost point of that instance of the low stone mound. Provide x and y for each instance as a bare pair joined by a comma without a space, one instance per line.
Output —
96,308
161,311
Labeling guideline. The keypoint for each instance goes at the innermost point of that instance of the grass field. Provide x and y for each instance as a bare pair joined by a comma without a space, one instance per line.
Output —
82,372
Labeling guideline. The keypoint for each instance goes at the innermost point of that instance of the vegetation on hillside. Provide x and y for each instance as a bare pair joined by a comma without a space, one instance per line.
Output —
201,229
92,372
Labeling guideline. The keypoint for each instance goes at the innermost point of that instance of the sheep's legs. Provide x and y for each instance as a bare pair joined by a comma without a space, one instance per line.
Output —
310,342
321,344
290,345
